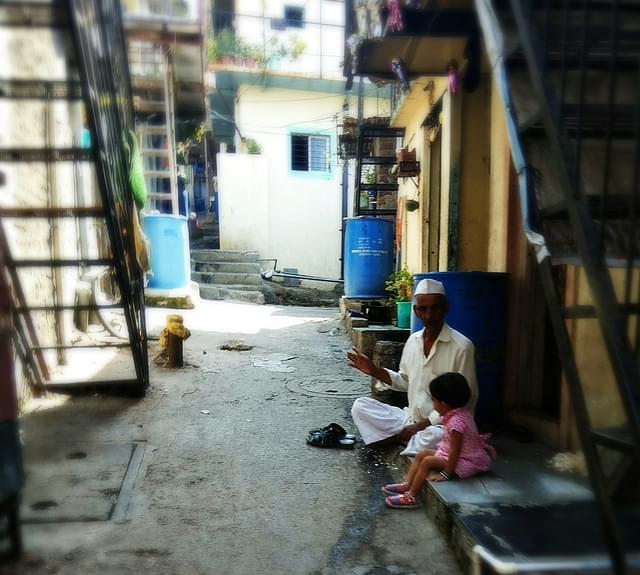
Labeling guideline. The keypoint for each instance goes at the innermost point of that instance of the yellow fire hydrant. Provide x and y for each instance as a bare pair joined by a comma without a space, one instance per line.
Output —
171,339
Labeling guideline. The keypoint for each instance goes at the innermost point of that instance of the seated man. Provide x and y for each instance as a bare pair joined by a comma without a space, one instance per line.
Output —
430,352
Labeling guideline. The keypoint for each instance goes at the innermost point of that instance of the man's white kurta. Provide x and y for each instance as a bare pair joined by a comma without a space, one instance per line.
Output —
451,352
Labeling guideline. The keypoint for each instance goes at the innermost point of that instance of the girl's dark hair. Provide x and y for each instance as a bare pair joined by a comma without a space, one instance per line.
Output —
451,388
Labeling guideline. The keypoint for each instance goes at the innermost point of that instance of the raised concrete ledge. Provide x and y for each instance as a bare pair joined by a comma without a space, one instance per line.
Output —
186,297
353,322
364,338
524,512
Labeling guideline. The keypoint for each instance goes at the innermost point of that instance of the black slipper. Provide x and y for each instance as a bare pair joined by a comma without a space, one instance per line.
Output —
329,437
334,427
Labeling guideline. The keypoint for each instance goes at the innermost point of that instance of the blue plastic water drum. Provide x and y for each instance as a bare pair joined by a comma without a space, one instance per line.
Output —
478,309
169,238
368,257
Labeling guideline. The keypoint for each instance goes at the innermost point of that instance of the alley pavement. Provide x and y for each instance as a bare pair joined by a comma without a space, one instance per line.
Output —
210,472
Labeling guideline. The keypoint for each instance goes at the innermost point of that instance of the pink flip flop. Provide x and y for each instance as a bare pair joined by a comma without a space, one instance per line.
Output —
395,488
404,501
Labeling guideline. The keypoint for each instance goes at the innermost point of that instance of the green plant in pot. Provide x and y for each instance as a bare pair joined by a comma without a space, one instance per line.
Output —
400,287
412,205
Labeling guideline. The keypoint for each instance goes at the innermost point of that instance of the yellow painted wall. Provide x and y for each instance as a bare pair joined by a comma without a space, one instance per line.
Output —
474,184
497,216
415,108
603,401
482,205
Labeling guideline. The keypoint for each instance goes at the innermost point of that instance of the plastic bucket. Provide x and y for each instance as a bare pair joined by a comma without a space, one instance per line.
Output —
169,238
477,309
403,313
368,257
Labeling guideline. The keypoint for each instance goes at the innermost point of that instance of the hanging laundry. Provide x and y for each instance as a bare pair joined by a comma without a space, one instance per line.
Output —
452,70
395,23
353,44
399,69
374,8
362,17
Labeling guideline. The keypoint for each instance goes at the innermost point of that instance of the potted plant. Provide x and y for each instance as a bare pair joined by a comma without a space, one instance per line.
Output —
400,287
412,205
370,178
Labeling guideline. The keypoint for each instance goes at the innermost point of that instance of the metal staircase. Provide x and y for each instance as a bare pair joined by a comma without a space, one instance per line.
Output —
569,75
376,188
68,222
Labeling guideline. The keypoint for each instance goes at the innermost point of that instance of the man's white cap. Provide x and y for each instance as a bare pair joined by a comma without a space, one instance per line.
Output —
428,286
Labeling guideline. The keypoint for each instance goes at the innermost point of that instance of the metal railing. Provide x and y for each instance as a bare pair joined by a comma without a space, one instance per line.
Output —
102,59
563,47
186,10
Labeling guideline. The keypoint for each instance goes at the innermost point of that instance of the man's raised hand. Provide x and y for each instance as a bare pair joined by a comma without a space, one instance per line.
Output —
360,361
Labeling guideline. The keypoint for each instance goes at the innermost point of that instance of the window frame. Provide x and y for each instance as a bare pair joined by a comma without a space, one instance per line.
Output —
326,135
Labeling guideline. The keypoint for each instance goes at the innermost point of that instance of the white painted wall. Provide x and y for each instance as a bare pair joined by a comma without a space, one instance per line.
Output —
323,33
243,196
264,206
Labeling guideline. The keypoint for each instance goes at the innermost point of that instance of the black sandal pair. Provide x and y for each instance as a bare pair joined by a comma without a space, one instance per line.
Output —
333,435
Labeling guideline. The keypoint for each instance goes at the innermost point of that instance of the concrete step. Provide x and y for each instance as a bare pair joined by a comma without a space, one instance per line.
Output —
227,278
224,256
486,512
226,267
204,243
232,293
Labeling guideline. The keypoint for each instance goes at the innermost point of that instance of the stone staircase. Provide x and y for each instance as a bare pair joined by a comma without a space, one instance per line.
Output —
228,275
210,238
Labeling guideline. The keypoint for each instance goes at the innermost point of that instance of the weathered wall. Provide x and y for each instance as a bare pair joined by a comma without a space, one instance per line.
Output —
243,195
296,215
465,173
474,207
38,53
498,201
415,107
603,401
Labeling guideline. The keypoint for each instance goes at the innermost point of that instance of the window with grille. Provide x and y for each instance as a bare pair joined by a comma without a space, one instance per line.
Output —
309,153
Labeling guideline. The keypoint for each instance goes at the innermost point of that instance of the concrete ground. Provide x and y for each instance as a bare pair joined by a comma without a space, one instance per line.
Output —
210,473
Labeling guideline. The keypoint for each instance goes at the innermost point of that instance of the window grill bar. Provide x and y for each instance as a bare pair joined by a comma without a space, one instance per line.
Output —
99,40
608,138
633,205
563,63
583,72
545,30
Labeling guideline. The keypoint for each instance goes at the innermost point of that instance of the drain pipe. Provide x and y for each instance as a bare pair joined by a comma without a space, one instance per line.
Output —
343,223
269,275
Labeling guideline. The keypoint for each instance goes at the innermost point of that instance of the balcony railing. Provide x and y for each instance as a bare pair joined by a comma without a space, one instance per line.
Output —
183,10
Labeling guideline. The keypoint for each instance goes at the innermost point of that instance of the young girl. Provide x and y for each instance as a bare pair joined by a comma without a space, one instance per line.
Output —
462,452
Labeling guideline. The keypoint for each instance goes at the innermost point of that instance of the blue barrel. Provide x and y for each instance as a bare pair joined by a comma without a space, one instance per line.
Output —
368,257
478,309
169,238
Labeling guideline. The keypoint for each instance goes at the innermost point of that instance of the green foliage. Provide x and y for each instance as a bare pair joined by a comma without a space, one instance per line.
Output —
253,147
297,48
400,285
369,175
191,143
179,9
227,45
198,133
212,50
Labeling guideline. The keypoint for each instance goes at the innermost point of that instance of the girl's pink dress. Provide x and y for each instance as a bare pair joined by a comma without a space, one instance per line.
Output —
476,454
